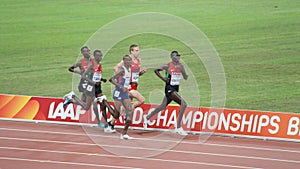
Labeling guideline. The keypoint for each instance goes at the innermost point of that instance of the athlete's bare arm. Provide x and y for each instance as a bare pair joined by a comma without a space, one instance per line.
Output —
72,68
185,76
157,72
143,71
103,80
119,73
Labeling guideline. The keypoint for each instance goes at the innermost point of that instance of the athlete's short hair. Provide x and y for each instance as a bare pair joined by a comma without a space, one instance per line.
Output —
132,46
84,47
174,53
126,56
97,51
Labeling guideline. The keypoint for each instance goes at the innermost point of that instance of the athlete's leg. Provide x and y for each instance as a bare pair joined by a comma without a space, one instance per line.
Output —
139,98
159,108
178,99
128,108
117,112
85,105
110,109
95,108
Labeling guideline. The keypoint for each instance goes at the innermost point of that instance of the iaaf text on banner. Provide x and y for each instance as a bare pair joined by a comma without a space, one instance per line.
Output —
285,126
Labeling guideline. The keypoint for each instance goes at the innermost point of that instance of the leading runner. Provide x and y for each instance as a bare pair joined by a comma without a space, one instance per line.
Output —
174,70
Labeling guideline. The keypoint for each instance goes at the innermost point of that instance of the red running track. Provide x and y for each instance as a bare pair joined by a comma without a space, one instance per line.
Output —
40,145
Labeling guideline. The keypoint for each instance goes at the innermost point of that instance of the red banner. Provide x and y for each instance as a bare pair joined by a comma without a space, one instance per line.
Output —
213,120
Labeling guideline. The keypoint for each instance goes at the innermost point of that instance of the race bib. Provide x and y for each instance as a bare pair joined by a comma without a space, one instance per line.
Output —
97,77
175,79
135,77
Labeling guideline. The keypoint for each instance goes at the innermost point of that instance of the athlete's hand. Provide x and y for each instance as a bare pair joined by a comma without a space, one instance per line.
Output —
144,70
103,80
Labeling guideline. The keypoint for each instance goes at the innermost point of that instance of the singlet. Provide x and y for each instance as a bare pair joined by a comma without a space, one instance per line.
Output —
125,79
174,74
84,64
135,71
96,73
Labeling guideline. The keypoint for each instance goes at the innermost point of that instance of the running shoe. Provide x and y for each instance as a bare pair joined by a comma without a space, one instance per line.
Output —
111,126
69,95
109,130
100,99
102,125
68,98
125,137
180,131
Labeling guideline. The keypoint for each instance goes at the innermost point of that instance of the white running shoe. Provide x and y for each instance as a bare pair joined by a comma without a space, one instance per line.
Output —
145,123
180,131
125,137
69,95
68,98
100,99
109,130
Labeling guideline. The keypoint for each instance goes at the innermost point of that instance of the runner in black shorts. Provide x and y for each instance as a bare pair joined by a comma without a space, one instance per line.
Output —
82,64
92,77
174,70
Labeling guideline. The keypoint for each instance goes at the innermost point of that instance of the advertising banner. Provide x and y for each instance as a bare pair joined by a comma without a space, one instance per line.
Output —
248,123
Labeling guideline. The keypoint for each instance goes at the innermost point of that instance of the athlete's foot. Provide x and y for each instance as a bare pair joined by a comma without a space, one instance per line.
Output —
111,126
100,99
68,98
102,125
69,95
145,123
125,137
180,131
109,130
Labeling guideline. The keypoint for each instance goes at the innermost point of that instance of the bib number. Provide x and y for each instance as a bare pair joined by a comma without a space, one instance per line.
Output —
175,79
87,87
117,93
135,77
97,77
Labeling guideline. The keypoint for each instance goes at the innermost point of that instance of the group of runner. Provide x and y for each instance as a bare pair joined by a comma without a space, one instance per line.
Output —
125,80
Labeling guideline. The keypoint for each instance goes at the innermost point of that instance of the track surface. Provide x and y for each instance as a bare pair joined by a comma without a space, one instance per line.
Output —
41,145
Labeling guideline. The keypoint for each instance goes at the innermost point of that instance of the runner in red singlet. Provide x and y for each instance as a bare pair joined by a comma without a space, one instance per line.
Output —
174,70
91,86
82,64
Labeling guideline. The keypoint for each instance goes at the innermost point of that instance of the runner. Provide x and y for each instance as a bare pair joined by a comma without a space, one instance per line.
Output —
174,70
136,72
82,64
92,78
121,80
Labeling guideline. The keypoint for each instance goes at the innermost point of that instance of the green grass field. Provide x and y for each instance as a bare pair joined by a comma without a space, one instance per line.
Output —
258,43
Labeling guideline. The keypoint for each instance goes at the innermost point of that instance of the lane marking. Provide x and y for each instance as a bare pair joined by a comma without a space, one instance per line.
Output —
155,140
64,162
129,157
154,149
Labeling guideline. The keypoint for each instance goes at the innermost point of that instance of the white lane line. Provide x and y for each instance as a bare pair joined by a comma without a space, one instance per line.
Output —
129,157
155,140
64,162
155,149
